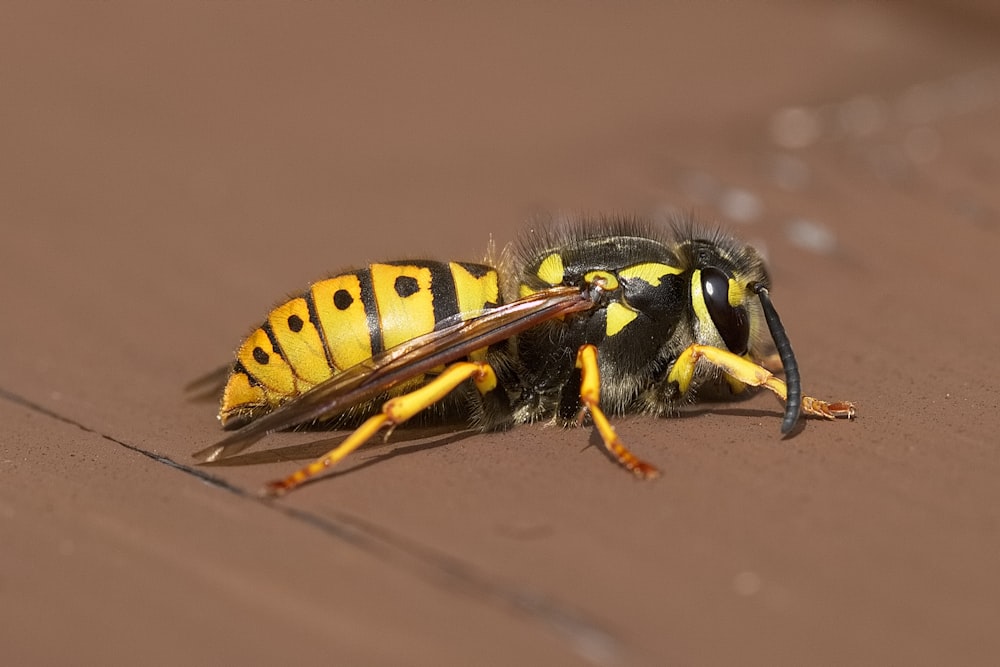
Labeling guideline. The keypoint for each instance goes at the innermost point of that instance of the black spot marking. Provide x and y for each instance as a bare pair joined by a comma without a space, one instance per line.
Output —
260,356
406,286
295,323
342,299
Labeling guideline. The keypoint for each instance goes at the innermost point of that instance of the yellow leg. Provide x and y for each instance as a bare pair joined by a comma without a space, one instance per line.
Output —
590,394
395,411
745,371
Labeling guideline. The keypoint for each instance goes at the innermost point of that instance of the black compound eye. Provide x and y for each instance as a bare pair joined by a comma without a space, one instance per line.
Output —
731,323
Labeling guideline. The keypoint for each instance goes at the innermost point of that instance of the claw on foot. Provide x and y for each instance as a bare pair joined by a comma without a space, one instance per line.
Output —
814,406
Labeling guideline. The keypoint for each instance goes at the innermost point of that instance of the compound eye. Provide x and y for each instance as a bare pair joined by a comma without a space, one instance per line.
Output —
731,323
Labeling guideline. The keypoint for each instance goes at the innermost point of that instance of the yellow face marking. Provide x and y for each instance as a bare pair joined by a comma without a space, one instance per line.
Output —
343,319
551,269
610,280
649,272
300,341
259,358
618,318
405,302
474,293
525,291
698,300
736,293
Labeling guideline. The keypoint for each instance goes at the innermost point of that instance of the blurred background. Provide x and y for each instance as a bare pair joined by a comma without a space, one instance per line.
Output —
169,171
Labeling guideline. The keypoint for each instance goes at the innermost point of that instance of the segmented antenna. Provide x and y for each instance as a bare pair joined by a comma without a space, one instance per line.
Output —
793,401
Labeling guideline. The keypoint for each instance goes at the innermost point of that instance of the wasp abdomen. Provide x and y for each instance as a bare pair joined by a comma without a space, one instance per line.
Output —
342,321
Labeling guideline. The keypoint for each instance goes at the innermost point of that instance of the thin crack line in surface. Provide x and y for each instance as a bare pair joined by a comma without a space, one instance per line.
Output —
586,637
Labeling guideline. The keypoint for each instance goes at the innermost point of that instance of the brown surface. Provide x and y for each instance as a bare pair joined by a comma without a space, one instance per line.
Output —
168,174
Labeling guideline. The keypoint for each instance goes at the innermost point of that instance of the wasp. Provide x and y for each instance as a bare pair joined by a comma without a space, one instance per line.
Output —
597,316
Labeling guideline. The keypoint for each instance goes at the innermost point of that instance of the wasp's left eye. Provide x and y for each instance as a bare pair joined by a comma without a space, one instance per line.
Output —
730,322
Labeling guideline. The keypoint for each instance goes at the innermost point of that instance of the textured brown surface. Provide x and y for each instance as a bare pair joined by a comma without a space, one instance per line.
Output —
168,174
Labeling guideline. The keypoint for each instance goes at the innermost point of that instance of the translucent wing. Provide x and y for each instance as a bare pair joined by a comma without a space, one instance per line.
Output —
214,380
415,357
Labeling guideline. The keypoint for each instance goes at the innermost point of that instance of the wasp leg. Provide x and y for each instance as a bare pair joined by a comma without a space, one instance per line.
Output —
747,372
395,411
590,394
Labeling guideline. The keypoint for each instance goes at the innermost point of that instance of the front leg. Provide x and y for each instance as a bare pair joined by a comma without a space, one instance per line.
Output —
745,371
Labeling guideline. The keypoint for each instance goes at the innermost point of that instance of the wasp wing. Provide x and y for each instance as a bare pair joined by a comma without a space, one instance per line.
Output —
208,386
214,380
373,377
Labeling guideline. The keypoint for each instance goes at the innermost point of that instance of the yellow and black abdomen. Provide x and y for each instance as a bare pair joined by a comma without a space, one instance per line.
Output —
345,320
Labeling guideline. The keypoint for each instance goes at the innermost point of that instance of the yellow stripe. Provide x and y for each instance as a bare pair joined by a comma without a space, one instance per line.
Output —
551,269
736,293
649,272
618,317
258,356
345,330
403,316
698,300
239,395
610,280
303,348
474,293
